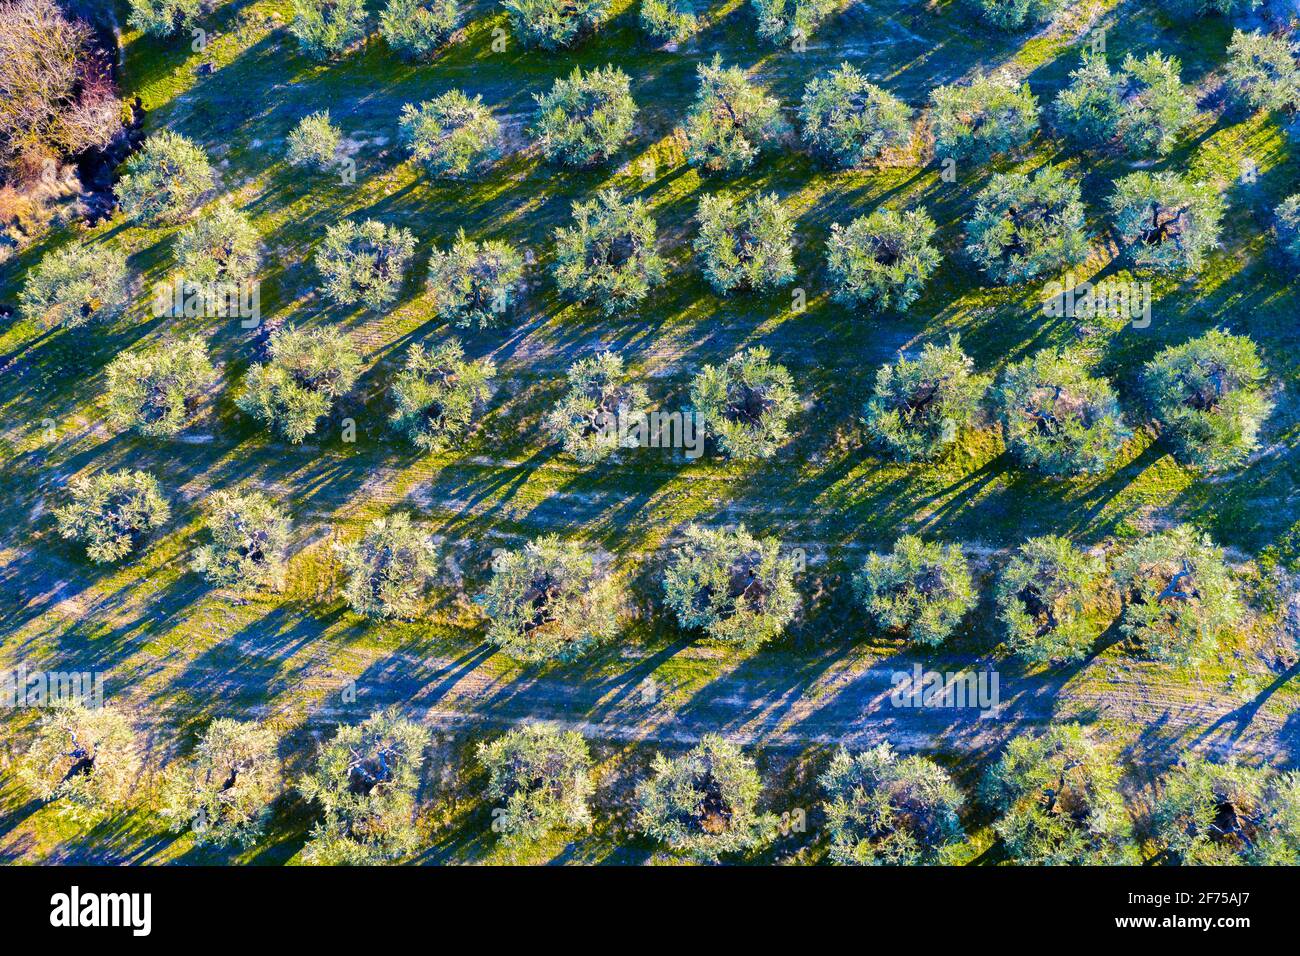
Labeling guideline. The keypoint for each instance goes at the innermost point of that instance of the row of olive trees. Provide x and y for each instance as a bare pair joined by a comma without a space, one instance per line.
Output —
1173,593
1055,794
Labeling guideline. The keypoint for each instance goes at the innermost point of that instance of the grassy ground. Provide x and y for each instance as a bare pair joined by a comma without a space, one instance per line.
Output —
177,655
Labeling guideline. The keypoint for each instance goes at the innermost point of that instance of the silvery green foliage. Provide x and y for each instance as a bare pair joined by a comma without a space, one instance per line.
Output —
554,24
85,758
1208,396
731,120
112,513
1156,107
921,405
1010,15
1057,419
389,569
416,29
248,541
736,588
476,283
1221,814
881,262
365,781
921,588
703,804
1088,110
586,118
162,182
548,601
224,791
608,256
1286,225
539,781
746,403
438,396
745,245
886,810
315,142
1167,223
451,135
220,245
1261,71
1059,801
155,390
364,262
791,21
849,121
585,421
162,18
673,21
1180,596
328,28
1024,227
76,285
1049,596
309,369
977,121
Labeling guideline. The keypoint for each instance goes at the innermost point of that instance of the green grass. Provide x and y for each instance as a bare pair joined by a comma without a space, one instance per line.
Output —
177,655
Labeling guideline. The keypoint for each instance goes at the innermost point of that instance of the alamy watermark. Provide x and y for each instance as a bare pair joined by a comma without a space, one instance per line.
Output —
183,298
639,429
21,687
977,690
1110,297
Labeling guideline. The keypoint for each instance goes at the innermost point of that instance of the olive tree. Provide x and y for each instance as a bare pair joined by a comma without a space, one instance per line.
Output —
1087,110
672,21
1180,596
1211,813
1156,107
1208,396
308,370
224,791
162,18
704,803
921,405
886,810
1050,598
922,589
451,135
745,403
548,601
1186,9
1011,15
608,256
1058,799
744,245
156,390
416,29
112,513
736,588
848,121
880,262
328,28
220,245
315,141
1261,72
555,24
248,541
1057,419
163,181
791,21
1286,226
76,285
1026,226
731,119
365,782
476,283
364,262
979,120
83,757
438,396
1166,222
389,569
539,781
586,118
585,422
